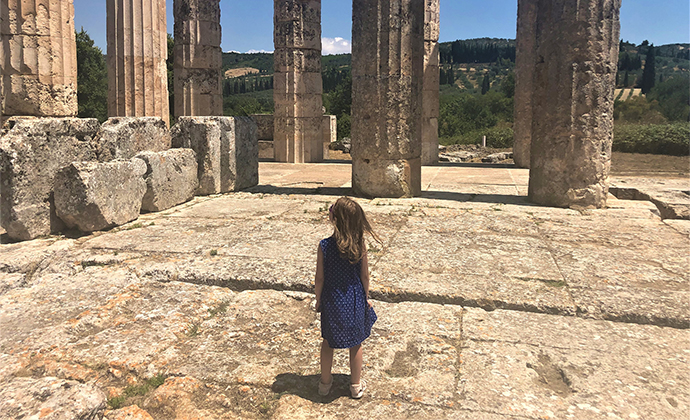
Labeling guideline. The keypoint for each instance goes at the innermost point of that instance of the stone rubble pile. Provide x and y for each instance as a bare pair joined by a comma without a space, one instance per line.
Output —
62,173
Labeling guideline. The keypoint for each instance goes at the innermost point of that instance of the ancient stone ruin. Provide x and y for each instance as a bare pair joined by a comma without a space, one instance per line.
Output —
38,59
198,58
572,103
137,50
297,86
525,60
563,118
430,90
387,82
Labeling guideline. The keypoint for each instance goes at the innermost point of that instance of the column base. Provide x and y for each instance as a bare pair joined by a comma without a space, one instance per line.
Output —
387,178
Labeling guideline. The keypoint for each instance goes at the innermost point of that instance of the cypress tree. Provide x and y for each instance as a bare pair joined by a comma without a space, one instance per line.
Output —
649,72
626,80
451,76
486,85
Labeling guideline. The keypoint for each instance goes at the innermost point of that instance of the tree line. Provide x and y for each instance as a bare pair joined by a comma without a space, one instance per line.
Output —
476,51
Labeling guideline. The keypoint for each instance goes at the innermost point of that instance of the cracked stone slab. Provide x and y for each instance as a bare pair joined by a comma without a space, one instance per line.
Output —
635,369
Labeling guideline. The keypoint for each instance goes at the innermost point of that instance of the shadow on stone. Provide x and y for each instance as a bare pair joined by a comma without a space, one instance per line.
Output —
307,387
475,165
287,190
478,198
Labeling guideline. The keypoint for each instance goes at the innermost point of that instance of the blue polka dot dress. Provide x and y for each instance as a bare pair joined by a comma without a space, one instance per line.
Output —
346,318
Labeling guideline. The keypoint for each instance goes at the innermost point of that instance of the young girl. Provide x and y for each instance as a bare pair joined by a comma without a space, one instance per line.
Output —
342,291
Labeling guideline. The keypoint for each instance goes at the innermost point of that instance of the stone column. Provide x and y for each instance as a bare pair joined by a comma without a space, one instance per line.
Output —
297,85
524,73
577,55
137,51
387,75
38,58
432,69
198,58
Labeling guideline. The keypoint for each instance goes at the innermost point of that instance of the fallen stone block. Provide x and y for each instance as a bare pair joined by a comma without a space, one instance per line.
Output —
226,149
124,137
457,157
497,157
52,398
171,178
31,153
95,196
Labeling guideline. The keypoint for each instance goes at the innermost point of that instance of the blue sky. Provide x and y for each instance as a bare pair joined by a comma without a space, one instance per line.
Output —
248,25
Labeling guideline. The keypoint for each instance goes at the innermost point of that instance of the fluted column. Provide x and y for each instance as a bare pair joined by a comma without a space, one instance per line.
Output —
297,85
524,74
575,75
431,94
38,58
137,51
387,79
198,58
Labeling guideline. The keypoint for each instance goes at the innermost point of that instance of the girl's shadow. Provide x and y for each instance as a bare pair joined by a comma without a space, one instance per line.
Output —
307,387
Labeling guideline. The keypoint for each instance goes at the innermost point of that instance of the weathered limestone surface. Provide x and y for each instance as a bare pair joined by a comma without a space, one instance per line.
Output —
297,85
171,178
38,59
669,195
198,58
51,398
572,132
431,94
387,82
137,51
31,153
140,302
95,196
124,137
226,150
525,62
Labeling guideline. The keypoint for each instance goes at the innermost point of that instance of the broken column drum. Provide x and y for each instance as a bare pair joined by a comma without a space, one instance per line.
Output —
431,94
297,81
38,59
575,72
387,75
525,60
198,58
137,54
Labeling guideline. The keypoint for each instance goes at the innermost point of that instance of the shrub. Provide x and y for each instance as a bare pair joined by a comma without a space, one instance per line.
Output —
660,139
496,137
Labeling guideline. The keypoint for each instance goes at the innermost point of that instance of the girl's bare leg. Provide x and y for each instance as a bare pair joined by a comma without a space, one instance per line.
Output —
326,362
356,364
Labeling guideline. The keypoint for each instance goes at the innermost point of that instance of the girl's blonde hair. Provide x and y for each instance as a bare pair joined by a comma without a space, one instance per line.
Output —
350,225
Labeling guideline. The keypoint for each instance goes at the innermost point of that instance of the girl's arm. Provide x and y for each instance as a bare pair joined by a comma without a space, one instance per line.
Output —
364,274
318,281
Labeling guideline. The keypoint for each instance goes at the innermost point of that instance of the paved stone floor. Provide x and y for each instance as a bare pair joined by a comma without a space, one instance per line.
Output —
489,308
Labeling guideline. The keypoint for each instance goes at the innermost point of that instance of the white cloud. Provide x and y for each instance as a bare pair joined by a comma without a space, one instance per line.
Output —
335,45
259,51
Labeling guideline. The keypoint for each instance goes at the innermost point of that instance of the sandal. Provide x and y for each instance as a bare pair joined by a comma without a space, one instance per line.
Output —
357,390
324,389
